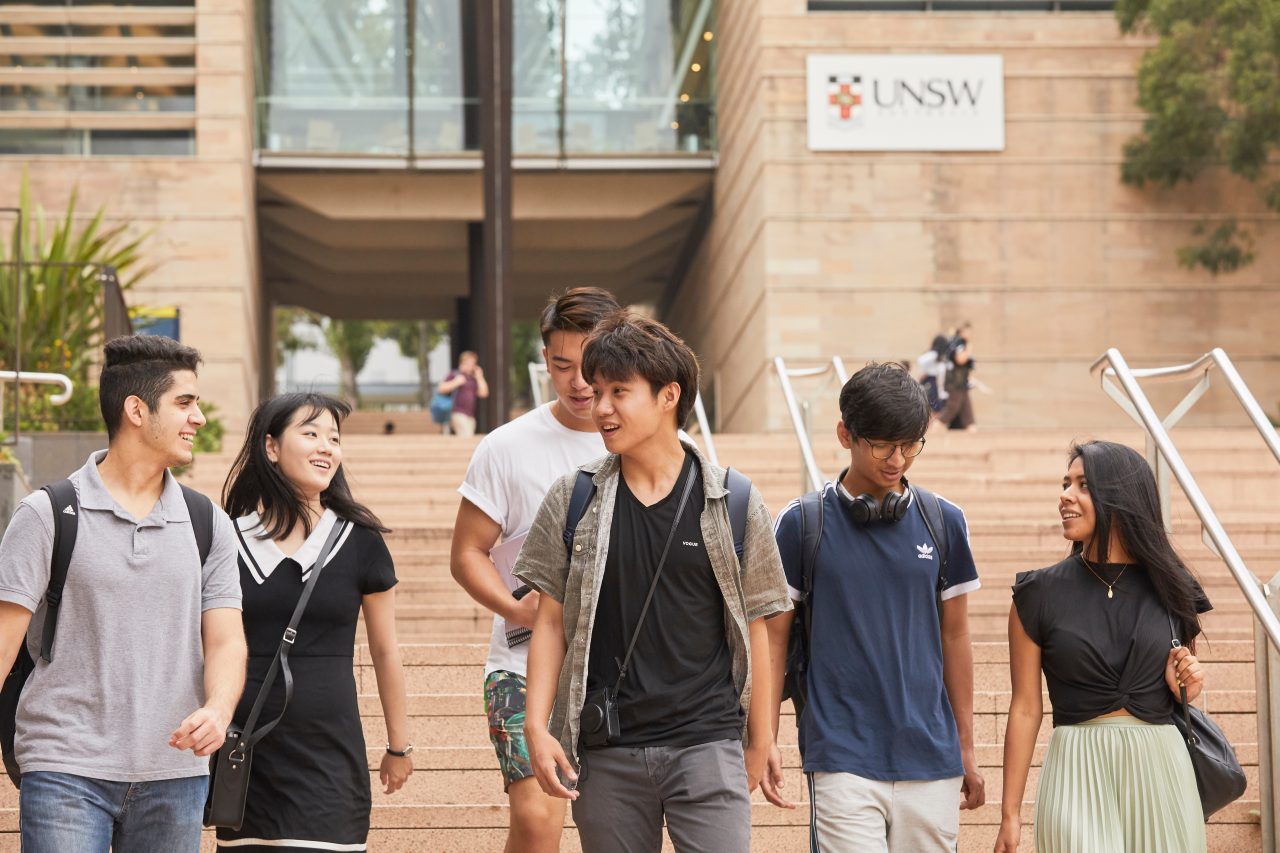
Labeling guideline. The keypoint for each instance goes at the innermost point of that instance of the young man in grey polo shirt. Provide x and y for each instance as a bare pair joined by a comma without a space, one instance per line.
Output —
113,735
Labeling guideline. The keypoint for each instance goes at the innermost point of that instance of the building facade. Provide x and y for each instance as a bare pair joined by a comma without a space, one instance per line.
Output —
324,154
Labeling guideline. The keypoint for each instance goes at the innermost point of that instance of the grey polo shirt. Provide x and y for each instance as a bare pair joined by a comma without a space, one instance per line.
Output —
128,664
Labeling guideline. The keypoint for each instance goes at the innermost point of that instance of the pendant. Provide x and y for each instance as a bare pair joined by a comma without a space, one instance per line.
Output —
1110,593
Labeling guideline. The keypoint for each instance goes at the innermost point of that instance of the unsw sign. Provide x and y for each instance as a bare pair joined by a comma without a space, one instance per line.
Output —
905,102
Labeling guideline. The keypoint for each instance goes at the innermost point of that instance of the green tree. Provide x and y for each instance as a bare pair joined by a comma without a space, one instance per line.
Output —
351,341
416,339
1211,91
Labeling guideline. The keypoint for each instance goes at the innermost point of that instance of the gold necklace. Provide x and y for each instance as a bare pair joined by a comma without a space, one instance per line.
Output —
1110,586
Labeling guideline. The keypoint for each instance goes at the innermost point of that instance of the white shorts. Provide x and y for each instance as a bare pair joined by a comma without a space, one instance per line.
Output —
850,814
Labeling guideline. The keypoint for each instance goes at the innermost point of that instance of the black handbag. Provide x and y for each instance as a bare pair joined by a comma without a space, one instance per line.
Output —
1219,778
230,766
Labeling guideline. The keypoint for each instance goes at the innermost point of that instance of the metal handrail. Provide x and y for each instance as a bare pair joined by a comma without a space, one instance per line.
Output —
1112,365
36,378
537,370
812,473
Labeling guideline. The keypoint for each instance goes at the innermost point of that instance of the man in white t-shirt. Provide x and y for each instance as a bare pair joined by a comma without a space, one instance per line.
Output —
509,475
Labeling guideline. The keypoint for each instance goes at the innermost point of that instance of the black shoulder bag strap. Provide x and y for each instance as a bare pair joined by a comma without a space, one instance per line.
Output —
584,488
653,586
931,512
66,507
280,662
810,540
738,485
200,508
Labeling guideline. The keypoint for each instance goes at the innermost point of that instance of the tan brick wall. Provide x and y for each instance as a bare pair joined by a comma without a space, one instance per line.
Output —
866,256
199,209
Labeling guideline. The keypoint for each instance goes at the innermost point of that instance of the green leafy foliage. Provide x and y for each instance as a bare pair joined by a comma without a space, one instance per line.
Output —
1211,91
62,305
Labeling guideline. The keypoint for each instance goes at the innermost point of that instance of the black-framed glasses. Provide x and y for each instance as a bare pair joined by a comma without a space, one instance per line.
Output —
884,451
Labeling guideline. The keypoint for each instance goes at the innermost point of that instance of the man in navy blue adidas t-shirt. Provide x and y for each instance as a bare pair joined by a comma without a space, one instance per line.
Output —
887,731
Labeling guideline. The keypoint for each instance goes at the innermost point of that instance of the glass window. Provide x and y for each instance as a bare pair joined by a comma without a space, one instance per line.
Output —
133,143
443,122
536,76
98,98
640,76
961,5
336,76
143,143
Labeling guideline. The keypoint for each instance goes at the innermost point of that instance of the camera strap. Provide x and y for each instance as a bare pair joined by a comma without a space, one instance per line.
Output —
662,561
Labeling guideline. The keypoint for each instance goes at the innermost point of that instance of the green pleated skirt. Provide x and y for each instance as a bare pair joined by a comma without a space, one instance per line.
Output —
1118,785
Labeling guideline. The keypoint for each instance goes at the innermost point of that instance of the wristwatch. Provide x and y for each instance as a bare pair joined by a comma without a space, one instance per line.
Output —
408,749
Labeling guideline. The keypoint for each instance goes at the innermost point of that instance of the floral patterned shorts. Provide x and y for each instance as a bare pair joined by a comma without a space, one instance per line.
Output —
504,706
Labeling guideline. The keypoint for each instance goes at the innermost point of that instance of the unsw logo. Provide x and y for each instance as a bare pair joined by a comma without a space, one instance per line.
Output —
926,552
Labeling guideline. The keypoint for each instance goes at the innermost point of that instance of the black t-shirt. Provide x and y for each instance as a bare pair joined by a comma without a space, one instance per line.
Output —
1099,654
679,688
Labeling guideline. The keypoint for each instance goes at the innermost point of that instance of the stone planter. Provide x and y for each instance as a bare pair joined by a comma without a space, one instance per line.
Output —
50,456
13,488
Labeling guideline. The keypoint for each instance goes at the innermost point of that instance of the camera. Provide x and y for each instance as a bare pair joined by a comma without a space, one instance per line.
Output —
599,723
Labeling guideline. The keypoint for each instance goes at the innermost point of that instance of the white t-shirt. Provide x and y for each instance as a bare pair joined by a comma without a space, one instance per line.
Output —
510,473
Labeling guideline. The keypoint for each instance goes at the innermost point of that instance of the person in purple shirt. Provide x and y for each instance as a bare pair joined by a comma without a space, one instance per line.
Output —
466,384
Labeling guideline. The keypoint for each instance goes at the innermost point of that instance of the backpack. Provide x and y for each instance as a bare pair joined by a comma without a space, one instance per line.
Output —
795,682
62,496
737,484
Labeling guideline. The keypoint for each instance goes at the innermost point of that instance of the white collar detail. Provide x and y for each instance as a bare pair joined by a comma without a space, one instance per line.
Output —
264,556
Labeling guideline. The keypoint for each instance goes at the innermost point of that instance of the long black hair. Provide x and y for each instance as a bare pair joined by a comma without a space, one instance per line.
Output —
1125,500
255,484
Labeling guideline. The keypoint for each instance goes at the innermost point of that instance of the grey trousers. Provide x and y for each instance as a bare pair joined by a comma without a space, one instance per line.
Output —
625,791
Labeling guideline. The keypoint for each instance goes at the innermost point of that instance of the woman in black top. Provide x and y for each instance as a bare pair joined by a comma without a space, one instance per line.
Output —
309,788
1117,777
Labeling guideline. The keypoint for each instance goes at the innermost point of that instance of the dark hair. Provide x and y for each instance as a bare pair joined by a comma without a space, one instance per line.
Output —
884,401
254,483
624,345
1125,499
139,366
576,310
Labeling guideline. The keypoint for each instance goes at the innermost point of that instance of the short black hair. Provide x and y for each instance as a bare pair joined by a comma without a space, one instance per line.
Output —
625,344
139,366
576,310
884,401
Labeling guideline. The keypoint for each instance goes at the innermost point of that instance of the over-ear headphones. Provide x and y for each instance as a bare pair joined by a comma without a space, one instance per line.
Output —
864,508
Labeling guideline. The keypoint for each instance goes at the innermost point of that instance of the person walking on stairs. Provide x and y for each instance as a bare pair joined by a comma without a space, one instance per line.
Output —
880,570
650,640
509,475
134,691
1117,777
309,787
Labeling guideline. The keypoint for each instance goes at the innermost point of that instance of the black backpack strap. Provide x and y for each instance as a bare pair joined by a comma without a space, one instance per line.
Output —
584,488
931,512
200,508
66,509
738,485
810,539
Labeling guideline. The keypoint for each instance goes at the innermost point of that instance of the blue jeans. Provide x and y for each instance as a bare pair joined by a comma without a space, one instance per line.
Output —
62,813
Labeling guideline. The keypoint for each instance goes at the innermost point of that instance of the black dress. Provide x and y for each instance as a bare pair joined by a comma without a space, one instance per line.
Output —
310,778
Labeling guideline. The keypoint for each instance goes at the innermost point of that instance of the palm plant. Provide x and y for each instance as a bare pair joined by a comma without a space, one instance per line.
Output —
62,306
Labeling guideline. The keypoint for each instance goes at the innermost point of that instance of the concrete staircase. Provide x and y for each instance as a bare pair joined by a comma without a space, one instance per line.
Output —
1007,482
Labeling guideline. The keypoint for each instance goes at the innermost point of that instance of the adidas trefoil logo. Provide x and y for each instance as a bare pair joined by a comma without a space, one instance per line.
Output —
68,511
926,552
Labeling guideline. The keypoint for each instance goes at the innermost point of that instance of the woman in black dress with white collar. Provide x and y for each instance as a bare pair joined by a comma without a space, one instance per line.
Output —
310,788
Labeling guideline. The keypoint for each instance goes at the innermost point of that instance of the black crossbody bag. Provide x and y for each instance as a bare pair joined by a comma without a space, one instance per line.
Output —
230,766
599,721
1220,780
